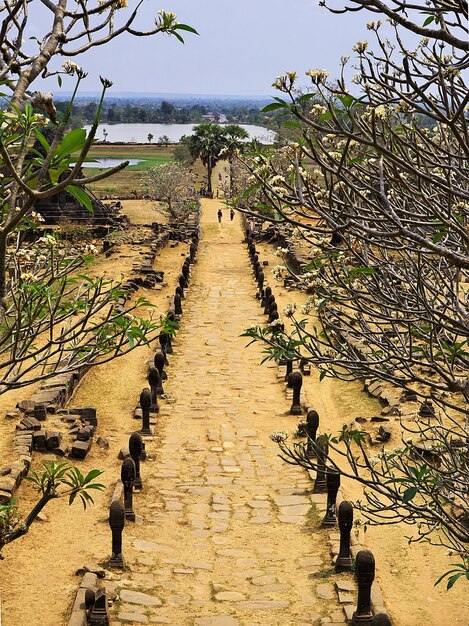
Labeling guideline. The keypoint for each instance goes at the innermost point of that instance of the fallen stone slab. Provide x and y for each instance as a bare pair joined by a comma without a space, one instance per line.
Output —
217,620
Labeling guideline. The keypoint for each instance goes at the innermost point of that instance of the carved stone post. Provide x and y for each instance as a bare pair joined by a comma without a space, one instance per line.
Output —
296,382
179,291
185,272
381,620
322,450
260,280
269,300
333,484
169,345
312,425
128,477
145,404
254,260
192,252
159,361
365,574
289,363
257,270
99,614
182,282
117,523
177,304
163,339
136,449
265,295
344,560
153,378
273,309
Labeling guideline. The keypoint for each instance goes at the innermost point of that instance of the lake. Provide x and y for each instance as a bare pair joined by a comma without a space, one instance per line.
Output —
138,133
100,163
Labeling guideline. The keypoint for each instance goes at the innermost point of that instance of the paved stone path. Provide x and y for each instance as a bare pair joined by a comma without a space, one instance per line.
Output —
224,530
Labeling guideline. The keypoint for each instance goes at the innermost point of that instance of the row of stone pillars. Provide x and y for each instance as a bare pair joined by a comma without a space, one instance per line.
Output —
327,478
122,511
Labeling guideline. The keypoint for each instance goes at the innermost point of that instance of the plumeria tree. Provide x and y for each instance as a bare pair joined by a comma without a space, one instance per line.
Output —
377,184
52,481
171,185
53,318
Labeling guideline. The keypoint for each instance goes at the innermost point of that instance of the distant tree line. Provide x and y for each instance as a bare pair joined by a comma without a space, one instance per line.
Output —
164,113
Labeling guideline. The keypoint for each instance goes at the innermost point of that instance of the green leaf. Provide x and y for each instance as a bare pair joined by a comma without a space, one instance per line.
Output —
409,494
291,124
429,20
322,375
325,117
81,196
178,36
72,142
59,80
453,579
186,27
42,140
274,106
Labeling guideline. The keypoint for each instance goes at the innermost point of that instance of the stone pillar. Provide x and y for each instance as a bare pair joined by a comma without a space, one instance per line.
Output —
163,339
179,291
260,280
177,304
128,477
273,309
365,574
192,252
296,382
99,614
289,363
136,449
169,345
145,404
117,523
333,484
153,378
322,449
269,300
344,560
182,282
185,272
265,294
159,362
312,425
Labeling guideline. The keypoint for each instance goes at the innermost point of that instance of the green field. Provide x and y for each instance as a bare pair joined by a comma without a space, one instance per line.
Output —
128,180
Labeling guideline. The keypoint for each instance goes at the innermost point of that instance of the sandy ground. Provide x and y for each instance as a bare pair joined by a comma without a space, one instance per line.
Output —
37,578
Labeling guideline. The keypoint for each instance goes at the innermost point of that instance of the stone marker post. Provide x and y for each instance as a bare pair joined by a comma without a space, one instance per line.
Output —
159,363
296,382
117,523
99,614
365,574
265,295
322,450
333,484
153,378
312,424
136,449
344,560
128,477
177,304
145,404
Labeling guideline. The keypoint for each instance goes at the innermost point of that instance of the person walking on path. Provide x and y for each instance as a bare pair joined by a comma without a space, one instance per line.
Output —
220,215
232,214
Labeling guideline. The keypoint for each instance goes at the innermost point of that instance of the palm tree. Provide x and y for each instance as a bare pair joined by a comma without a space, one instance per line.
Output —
206,143
234,141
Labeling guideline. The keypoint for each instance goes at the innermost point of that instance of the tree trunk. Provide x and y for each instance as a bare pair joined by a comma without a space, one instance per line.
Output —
209,176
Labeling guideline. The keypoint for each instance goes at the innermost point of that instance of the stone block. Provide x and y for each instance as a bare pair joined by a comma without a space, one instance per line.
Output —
80,449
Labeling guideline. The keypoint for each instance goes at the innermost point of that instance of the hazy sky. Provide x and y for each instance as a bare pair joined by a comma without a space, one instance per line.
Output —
242,46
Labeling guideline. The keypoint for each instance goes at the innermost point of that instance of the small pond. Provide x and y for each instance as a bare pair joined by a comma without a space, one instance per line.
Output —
101,163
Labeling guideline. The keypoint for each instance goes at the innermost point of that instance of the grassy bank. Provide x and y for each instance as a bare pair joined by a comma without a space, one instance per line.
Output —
127,181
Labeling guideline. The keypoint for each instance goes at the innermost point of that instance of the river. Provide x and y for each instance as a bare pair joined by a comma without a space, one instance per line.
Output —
138,133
